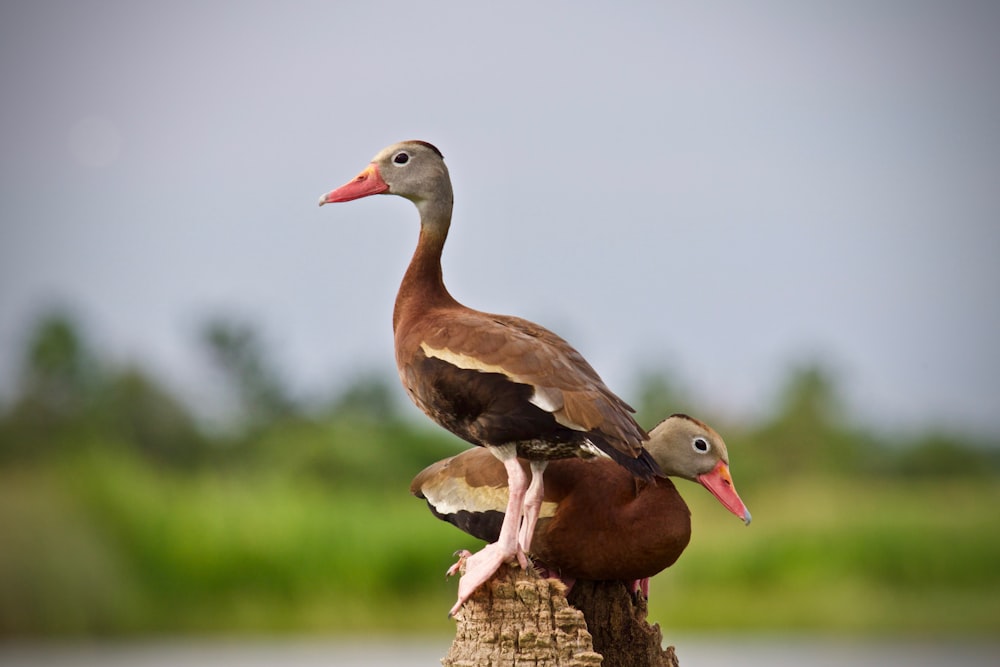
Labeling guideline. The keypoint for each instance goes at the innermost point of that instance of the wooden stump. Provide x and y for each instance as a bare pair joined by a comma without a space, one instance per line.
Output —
518,618
617,622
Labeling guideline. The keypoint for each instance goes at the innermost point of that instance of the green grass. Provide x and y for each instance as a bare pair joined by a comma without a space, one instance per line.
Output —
885,558
256,551
106,544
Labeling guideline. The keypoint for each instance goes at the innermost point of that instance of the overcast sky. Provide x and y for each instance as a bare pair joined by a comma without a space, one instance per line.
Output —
720,189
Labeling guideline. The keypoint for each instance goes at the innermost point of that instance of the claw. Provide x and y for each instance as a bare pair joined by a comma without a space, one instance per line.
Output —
479,567
462,555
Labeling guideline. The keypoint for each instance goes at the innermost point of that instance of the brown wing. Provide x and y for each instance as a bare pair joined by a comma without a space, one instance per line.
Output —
597,521
470,491
563,383
475,473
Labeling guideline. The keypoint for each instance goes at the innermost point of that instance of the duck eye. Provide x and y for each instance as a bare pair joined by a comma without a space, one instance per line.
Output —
401,158
700,445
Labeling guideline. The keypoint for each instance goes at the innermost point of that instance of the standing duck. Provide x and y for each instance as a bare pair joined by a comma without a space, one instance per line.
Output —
596,522
496,381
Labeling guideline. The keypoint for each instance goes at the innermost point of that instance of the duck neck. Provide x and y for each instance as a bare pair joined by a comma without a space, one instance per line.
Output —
423,283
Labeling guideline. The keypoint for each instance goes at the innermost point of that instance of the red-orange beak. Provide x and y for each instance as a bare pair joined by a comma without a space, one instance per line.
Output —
720,483
368,182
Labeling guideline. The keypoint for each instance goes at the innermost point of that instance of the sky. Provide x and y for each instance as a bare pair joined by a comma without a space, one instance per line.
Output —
720,190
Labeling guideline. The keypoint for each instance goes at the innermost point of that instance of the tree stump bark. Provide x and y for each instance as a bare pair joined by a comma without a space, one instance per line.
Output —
617,622
518,619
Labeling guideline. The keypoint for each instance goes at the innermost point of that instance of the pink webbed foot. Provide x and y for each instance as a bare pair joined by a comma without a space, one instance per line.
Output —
476,569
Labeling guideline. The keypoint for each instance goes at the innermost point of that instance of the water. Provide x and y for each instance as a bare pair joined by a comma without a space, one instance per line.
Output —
831,653
392,652
228,653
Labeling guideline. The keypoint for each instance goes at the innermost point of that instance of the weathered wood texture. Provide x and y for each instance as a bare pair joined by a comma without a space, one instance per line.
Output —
617,622
520,619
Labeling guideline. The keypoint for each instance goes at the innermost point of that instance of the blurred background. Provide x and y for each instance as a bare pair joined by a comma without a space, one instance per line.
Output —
783,219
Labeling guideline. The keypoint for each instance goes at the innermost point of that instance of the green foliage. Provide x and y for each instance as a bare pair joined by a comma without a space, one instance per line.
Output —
238,353
128,548
59,574
809,431
59,369
937,454
659,397
139,412
120,514
828,554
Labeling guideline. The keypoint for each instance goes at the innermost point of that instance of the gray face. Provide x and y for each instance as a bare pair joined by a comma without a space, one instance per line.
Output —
685,447
415,170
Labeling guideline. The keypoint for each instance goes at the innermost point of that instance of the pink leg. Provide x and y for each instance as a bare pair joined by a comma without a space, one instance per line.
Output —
640,586
532,504
546,573
480,566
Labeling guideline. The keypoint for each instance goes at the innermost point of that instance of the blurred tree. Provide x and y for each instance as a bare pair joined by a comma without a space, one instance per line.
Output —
369,397
59,378
239,354
810,397
60,372
938,454
69,398
810,430
144,414
660,397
